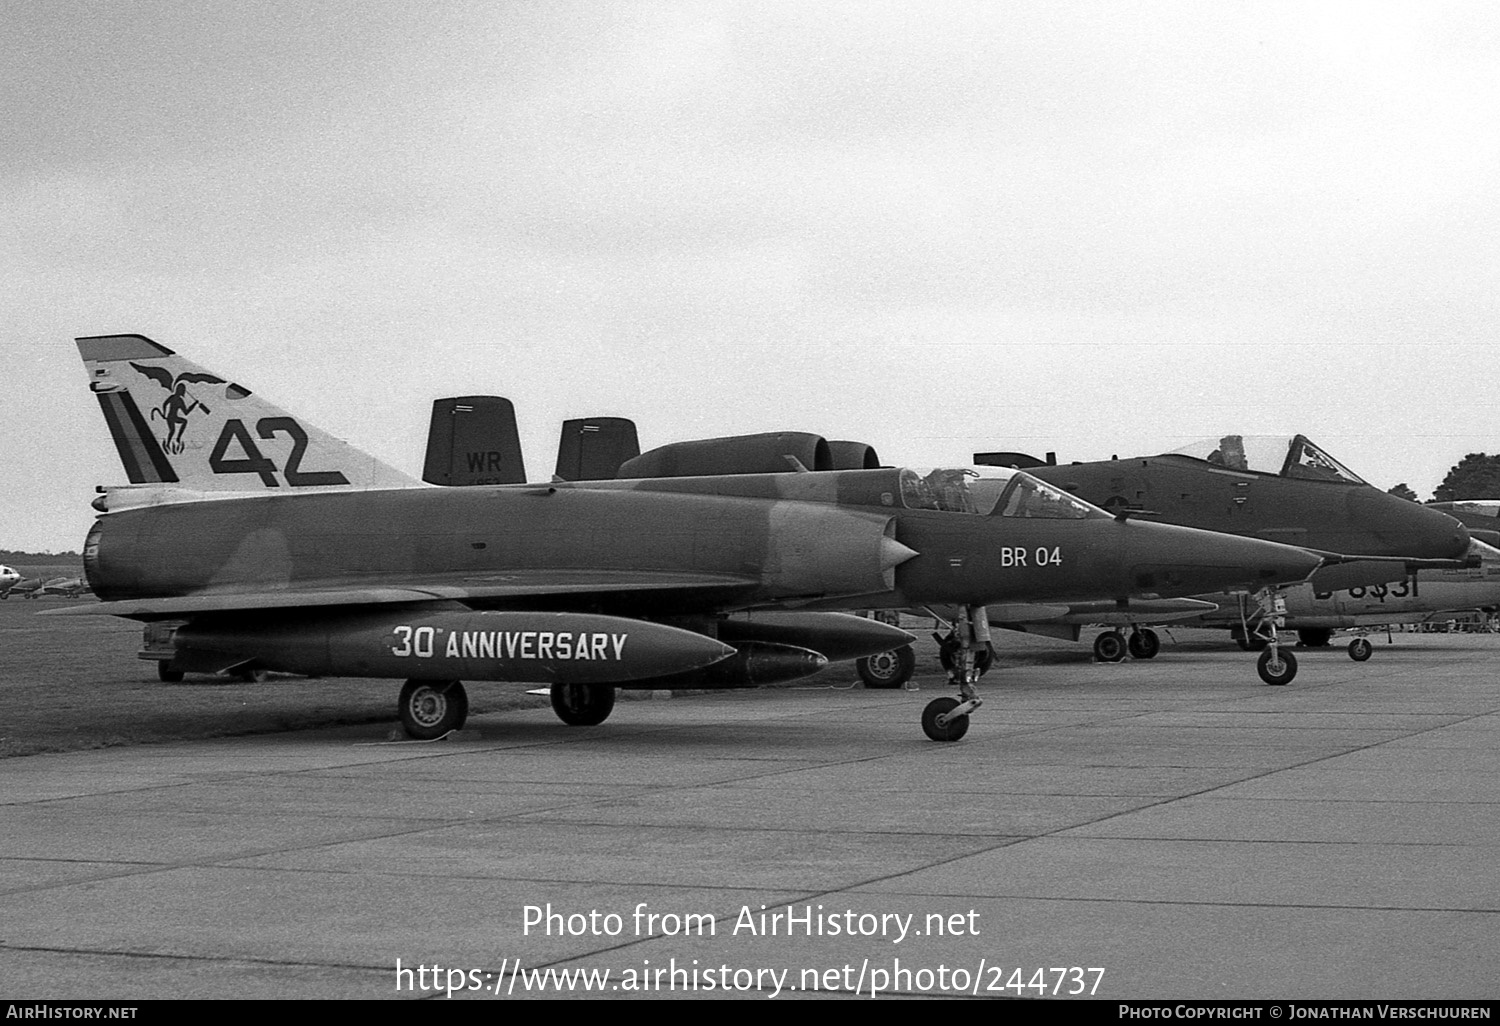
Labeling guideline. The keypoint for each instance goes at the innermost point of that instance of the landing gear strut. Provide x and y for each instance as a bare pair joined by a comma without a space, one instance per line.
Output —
947,719
1276,664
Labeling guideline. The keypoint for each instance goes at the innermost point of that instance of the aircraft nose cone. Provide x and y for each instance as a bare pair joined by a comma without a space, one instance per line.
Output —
1185,561
1405,528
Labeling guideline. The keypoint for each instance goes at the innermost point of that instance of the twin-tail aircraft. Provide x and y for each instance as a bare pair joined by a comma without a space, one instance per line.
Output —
274,547
1284,489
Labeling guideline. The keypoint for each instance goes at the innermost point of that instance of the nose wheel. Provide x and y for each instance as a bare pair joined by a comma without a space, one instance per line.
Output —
1276,665
967,653
940,723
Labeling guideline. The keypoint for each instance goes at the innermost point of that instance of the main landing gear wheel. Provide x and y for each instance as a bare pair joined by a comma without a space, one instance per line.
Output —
1276,666
1360,649
938,725
886,670
583,705
166,674
431,708
947,647
1110,647
1144,644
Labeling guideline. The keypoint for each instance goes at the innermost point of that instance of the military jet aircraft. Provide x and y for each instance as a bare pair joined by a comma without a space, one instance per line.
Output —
1286,489
1426,595
1480,516
282,549
603,448
9,578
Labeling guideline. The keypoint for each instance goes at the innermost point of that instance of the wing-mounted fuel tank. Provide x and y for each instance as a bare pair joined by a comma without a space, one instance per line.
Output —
774,452
447,644
473,440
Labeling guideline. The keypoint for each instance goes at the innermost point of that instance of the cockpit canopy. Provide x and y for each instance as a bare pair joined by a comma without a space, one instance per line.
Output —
1290,456
989,491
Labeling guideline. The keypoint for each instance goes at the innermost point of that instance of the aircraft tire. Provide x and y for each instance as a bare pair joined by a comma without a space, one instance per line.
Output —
1360,649
1283,673
583,705
1144,644
431,708
1110,647
166,674
946,648
886,670
953,730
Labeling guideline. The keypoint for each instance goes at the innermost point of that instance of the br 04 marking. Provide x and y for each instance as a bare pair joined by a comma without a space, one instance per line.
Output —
1039,556
255,462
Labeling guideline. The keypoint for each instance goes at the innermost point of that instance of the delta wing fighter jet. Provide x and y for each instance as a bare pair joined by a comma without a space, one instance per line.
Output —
1284,489
317,559
596,450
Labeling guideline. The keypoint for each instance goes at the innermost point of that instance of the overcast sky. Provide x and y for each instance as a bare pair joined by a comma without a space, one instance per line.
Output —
936,227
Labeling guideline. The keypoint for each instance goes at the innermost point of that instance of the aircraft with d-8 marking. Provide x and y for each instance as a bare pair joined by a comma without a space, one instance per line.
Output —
1284,488
708,581
1426,595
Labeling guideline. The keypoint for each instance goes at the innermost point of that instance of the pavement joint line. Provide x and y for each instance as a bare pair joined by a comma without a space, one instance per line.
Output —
212,959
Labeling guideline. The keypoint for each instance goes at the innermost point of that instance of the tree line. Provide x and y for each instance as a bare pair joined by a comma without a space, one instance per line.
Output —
1476,476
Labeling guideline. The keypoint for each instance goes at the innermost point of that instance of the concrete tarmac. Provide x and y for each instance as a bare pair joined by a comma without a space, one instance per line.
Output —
1171,829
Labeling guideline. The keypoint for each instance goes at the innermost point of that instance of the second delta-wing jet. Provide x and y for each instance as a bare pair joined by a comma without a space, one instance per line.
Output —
320,560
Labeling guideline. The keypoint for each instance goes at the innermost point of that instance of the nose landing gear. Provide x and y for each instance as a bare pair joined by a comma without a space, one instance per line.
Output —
1276,664
947,719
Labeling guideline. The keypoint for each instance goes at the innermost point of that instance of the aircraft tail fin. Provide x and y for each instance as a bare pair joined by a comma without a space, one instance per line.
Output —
593,448
473,440
174,423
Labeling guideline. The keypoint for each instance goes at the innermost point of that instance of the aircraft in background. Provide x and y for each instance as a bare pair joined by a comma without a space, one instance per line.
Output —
35,587
1480,516
280,548
1426,595
1285,489
9,578
67,587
